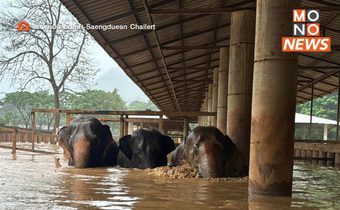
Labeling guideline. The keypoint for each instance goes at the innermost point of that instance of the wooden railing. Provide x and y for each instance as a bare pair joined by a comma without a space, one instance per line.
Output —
16,134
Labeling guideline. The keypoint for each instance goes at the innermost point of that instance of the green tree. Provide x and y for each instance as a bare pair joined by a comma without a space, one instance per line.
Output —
10,118
142,105
326,107
94,99
51,56
23,102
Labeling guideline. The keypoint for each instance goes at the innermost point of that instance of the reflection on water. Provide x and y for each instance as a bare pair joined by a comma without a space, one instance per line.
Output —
31,181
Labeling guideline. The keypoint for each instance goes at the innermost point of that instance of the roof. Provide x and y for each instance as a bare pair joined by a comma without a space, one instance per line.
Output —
173,64
305,119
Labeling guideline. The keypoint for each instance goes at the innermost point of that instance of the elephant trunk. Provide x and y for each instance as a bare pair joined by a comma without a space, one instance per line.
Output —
210,161
81,153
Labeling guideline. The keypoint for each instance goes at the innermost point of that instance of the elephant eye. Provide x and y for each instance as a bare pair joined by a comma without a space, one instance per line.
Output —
195,149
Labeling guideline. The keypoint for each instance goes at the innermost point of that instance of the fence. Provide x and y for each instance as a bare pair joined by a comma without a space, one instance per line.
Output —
16,134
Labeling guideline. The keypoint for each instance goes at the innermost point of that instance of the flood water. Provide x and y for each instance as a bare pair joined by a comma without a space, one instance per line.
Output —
31,181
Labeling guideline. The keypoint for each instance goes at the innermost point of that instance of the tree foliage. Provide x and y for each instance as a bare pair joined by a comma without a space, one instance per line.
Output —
22,103
94,99
325,107
17,106
49,54
142,105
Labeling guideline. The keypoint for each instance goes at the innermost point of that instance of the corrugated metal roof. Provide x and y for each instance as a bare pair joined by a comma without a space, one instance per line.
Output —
172,84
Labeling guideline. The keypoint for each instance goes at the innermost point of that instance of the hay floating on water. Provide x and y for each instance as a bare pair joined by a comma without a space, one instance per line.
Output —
179,172
186,171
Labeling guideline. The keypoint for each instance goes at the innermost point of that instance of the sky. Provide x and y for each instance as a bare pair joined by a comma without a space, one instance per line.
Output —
110,75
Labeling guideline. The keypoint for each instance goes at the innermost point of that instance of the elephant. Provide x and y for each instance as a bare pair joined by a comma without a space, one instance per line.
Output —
88,143
146,148
211,152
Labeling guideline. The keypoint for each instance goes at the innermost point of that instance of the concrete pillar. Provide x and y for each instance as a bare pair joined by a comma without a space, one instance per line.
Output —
273,101
185,128
205,108
199,121
223,73
325,132
130,127
214,96
210,92
241,64
160,124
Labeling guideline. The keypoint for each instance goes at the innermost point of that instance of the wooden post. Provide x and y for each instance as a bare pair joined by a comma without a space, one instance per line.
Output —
33,130
14,141
68,119
121,126
126,126
160,124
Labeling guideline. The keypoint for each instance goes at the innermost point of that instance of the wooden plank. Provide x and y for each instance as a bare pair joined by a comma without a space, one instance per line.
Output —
111,112
29,150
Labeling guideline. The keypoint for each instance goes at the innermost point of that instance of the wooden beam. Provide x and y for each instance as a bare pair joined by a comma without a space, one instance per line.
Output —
174,40
197,47
319,59
216,10
326,9
111,112
150,51
147,10
175,68
319,67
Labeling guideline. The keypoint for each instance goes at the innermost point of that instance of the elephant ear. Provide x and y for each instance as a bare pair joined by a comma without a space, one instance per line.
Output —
168,144
63,141
125,146
111,150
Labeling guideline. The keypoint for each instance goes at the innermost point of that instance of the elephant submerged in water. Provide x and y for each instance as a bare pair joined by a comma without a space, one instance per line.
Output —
146,148
88,143
212,153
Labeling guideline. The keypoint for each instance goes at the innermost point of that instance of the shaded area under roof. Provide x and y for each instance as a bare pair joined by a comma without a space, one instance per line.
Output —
173,64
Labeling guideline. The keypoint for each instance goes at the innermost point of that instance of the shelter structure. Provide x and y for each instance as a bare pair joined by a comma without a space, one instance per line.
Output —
171,48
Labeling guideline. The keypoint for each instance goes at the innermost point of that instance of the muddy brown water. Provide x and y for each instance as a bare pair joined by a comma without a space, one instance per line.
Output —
31,181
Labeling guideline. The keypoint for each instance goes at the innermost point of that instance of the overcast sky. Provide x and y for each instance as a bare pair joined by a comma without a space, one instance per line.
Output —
109,77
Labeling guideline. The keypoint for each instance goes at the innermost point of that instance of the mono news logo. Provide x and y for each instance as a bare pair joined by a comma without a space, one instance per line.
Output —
306,32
